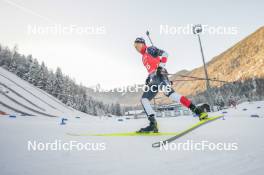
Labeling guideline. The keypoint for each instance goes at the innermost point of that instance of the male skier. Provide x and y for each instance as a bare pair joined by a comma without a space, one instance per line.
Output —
154,60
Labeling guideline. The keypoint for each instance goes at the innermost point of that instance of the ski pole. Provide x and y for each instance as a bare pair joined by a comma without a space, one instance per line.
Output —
188,80
198,78
147,33
214,79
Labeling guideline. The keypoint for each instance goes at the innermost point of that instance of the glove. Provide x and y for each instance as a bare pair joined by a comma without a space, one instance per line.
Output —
159,71
147,81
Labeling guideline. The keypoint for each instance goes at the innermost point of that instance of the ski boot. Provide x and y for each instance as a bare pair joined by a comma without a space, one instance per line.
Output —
202,115
152,127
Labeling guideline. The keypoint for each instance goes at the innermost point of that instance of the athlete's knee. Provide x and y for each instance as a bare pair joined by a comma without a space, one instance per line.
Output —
149,95
175,97
168,91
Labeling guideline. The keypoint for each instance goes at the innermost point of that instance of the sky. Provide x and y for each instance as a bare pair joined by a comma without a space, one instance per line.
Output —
92,41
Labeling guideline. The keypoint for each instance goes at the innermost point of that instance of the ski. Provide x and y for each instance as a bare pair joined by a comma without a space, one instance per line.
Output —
126,134
182,133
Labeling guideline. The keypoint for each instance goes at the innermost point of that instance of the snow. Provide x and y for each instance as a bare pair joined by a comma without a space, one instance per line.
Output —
122,155
133,155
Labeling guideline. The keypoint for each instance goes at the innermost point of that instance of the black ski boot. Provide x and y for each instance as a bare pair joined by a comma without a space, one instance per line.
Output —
152,127
202,115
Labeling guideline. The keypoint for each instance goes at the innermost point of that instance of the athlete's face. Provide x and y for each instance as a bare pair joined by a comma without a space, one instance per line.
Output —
138,46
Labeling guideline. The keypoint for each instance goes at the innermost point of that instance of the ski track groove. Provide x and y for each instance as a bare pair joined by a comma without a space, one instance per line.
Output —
16,110
33,110
28,91
22,97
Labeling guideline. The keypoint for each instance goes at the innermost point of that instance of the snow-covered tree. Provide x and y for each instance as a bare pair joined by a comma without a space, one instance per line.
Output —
43,77
56,84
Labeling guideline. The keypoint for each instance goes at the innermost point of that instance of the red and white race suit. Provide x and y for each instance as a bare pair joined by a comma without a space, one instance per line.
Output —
152,63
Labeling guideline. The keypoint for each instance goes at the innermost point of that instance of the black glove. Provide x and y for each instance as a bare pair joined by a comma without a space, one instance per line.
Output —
159,71
147,81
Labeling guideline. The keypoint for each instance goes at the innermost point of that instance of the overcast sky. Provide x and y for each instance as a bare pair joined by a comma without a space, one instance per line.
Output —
104,53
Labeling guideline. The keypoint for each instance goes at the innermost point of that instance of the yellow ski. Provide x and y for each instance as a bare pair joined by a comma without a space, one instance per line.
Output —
126,134
178,135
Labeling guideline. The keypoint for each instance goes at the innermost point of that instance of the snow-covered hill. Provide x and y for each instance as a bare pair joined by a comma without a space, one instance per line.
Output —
18,97
133,155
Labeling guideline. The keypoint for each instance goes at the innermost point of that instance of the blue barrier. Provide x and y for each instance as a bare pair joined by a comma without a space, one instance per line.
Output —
63,121
12,116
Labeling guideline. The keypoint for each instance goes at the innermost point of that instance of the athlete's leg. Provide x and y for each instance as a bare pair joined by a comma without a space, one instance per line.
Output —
145,101
169,92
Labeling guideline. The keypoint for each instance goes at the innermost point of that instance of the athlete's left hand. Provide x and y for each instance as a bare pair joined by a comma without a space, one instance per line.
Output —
147,81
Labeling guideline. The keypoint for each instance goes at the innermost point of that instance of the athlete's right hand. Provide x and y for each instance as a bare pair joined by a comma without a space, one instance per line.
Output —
161,71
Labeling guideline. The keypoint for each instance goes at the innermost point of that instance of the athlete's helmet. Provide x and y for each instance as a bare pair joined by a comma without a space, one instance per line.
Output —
140,40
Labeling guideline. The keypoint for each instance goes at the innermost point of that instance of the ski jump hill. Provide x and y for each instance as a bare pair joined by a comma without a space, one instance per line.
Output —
18,97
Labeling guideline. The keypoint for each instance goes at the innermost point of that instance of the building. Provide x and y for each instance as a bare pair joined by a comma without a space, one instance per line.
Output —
171,110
